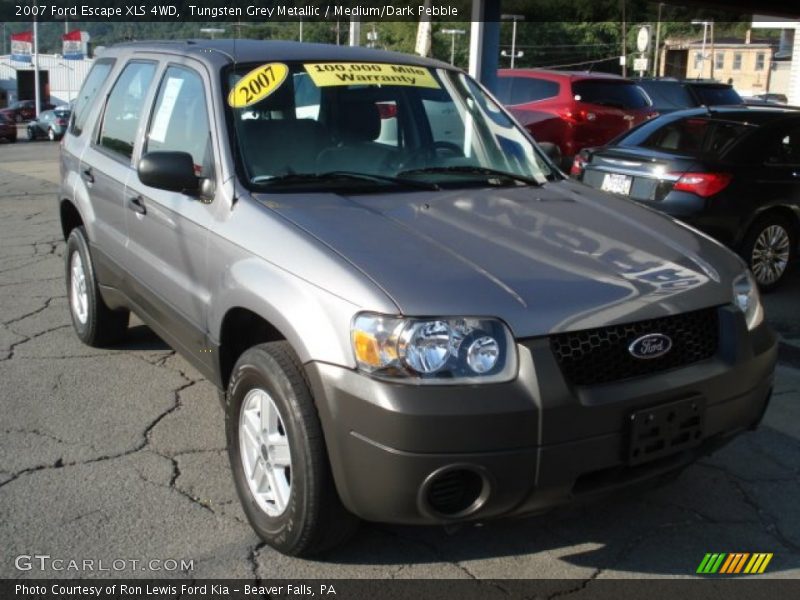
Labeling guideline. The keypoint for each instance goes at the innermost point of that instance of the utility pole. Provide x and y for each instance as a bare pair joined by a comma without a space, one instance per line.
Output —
513,19
453,33
37,94
624,58
656,52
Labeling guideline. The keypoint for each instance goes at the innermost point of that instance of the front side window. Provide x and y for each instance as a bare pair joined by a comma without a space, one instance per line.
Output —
179,122
88,94
124,108
387,124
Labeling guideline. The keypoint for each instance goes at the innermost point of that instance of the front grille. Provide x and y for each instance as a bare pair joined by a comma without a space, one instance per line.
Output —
601,355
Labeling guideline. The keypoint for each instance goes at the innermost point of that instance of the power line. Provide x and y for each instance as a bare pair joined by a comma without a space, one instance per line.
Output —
577,64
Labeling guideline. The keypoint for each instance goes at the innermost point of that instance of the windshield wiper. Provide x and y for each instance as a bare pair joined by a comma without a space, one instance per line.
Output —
473,170
301,178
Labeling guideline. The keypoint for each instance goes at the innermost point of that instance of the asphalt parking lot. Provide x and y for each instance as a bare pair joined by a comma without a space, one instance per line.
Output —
119,454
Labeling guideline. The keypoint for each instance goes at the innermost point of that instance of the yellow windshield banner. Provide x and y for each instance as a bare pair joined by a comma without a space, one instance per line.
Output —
257,84
331,74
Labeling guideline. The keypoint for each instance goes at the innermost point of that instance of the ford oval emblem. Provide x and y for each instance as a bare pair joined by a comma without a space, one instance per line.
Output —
649,346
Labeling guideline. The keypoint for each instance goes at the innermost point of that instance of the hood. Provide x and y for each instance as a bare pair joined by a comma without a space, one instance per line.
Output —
556,258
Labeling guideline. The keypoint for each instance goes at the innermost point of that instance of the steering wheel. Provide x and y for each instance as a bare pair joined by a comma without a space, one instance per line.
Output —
423,154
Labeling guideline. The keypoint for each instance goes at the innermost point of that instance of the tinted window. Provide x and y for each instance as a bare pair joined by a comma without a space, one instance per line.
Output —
667,94
529,89
124,107
88,93
784,147
711,95
180,119
695,136
610,93
503,91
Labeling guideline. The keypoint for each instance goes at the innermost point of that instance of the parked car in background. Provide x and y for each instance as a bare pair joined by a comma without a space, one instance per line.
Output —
24,110
733,173
572,110
773,97
51,124
8,129
669,94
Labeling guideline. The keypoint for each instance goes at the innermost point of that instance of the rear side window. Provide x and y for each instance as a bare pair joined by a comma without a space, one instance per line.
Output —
716,95
88,94
617,94
180,119
124,107
530,89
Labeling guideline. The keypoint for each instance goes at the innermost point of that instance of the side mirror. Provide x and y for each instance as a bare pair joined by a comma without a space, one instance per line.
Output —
173,171
552,151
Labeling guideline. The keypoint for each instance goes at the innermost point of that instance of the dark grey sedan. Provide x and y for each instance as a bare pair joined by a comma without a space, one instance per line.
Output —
51,124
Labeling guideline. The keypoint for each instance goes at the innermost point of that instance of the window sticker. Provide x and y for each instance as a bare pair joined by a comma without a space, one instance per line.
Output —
158,131
257,84
332,74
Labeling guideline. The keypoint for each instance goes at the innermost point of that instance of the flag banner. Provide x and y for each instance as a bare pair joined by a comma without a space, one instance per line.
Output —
22,46
73,47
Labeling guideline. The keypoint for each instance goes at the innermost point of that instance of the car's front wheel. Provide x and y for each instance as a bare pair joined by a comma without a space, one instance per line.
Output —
769,247
278,456
93,321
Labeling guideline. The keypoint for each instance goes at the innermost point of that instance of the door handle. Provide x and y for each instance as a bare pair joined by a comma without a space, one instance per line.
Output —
87,175
136,204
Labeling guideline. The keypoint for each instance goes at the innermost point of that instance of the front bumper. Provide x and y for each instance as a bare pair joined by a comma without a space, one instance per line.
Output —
532,443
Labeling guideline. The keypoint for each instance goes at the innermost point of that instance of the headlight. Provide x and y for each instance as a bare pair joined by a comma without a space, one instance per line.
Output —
747,298
469,350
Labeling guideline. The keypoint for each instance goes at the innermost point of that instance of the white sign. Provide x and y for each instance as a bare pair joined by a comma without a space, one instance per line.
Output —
640,64
643,39
158,133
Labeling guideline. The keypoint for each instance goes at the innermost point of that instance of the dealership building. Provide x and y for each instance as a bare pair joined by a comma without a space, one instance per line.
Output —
59,78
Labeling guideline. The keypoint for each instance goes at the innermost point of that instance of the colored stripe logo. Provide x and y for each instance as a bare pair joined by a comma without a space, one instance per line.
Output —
735,563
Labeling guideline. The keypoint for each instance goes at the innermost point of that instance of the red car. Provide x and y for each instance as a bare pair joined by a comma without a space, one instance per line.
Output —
8,129
573,110
24,110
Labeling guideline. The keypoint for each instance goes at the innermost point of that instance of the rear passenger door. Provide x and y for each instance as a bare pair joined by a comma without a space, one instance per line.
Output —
167,231
106,166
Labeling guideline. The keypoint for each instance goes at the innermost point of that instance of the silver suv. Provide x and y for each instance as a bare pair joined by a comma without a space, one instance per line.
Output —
414,316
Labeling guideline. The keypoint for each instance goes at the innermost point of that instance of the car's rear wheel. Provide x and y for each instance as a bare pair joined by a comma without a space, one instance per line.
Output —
769,248
278,456
93,321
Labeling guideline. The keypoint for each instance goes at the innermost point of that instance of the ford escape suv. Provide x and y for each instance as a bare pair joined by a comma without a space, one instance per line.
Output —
413,316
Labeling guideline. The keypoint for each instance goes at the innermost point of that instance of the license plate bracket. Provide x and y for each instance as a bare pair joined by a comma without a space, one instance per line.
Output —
616,183
665,429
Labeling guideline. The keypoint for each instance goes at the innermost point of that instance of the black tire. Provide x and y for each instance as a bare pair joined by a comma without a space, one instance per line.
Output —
314,519
102,326
751,240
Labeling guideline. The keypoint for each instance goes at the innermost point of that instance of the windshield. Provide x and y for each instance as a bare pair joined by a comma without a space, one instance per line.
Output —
383,125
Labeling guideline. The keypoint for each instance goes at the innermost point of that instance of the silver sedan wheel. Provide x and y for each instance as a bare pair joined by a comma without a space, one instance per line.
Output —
771,252
264,448
78,297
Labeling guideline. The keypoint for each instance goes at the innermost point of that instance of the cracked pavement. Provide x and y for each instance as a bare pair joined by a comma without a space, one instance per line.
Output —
120,453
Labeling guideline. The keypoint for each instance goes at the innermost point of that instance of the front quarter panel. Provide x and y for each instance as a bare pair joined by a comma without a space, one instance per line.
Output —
260,262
